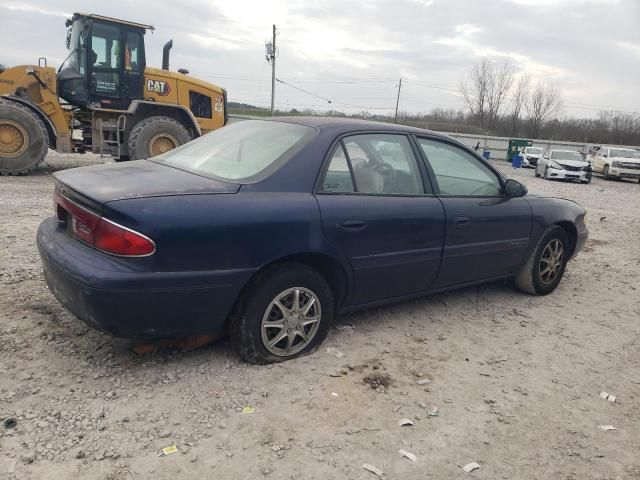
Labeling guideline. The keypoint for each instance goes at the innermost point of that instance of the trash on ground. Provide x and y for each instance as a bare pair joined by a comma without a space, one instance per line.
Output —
608,396
470,467
408,454
606,428
434,412
9,423
423,381
406,422
249,410
335,352
334,394
167,451
373,469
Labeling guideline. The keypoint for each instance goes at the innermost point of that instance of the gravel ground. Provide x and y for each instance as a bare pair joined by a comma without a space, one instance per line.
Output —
515,379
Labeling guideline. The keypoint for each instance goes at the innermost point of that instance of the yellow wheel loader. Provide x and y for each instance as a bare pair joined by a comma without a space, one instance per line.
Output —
106,94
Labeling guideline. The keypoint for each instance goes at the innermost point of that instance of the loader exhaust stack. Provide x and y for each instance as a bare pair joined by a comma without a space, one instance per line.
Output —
165,54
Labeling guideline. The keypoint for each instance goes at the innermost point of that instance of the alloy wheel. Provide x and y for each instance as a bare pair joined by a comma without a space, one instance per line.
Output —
551,261
291,321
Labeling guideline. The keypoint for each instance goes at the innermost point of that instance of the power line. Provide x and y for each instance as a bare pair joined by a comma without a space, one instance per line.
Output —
328,100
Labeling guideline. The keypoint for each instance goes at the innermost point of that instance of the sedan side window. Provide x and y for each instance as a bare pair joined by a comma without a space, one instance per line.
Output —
383,164
458,172
338,178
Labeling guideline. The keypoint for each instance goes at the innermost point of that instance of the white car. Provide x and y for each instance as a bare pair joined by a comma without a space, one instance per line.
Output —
564,165
613,162
531,155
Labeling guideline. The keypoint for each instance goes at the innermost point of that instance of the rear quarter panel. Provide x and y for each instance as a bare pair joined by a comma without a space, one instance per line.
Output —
224,231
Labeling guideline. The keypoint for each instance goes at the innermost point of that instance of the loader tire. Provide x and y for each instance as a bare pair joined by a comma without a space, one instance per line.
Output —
156,135
24,140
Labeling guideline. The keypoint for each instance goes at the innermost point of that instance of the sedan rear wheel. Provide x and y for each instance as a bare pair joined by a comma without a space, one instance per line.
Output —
291,321
286,312
546,264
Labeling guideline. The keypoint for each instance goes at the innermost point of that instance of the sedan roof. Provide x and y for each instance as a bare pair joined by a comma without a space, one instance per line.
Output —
351,124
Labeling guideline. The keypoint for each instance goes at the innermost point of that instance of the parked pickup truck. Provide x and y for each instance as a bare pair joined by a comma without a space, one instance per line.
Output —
613,162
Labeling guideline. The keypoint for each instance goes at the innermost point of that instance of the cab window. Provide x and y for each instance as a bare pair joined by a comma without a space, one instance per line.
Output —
200,105
132,53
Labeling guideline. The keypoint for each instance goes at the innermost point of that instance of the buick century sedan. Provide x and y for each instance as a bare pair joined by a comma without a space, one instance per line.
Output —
267,229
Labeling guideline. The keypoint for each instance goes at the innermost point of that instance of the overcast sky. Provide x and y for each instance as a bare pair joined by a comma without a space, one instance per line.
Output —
353,52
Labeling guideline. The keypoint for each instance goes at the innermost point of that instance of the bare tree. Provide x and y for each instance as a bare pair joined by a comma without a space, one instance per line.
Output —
499,85
485,89
520,95
475,89
542,105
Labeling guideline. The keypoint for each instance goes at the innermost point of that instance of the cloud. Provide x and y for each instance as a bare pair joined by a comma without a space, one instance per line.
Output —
327,45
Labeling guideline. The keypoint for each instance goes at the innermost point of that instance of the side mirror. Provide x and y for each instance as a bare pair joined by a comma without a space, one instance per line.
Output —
514,188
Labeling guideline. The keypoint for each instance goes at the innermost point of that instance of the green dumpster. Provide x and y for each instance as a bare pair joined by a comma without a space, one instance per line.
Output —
515,146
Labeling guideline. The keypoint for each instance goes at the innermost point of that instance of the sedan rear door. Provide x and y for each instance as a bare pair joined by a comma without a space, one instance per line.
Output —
487,232
378,211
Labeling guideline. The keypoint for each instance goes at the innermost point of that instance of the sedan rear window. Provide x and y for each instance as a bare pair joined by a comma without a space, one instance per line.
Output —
241,152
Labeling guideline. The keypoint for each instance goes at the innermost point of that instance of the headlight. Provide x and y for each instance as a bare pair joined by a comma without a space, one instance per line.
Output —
555,165
615,163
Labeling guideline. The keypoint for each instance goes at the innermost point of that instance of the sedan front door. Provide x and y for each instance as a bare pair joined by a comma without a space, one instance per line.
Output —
487,232
380,214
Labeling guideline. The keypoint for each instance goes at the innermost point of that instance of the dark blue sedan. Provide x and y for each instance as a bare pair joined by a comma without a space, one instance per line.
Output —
267,229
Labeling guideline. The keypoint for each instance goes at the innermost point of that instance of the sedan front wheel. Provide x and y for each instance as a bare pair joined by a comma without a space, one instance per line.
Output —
546,264
286,313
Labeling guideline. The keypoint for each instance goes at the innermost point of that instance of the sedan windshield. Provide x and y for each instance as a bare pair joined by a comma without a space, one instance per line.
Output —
559,155
624,153
534,150
244,151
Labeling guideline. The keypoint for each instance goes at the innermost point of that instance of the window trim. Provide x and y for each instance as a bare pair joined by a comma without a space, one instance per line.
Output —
436,187
428,190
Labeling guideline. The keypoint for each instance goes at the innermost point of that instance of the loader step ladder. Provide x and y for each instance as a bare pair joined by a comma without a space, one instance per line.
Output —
109,137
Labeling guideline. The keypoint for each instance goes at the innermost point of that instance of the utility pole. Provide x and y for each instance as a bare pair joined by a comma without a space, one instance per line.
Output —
395,120
273,70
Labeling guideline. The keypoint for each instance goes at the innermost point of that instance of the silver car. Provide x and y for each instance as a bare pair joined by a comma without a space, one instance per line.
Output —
564,165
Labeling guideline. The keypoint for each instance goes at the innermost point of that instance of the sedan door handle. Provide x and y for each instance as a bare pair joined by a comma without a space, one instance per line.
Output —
353,225
461,220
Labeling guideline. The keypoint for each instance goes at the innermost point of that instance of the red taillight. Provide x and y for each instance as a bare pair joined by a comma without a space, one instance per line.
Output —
119,240
99,232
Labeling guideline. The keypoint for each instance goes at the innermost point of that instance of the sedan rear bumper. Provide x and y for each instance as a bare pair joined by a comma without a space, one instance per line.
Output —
129,302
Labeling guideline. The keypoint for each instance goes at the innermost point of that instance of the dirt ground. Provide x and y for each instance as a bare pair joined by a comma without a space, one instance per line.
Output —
515,379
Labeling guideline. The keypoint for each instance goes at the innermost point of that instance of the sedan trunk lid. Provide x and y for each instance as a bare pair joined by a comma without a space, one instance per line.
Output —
137,179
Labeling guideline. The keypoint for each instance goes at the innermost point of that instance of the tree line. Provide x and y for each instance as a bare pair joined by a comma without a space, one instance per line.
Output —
499,102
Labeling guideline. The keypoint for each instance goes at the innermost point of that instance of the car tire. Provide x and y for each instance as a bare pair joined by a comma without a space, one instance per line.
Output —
25,141
155,135
254,328
534,276
605,172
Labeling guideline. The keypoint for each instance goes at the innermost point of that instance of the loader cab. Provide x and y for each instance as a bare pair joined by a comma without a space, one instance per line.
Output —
106,62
